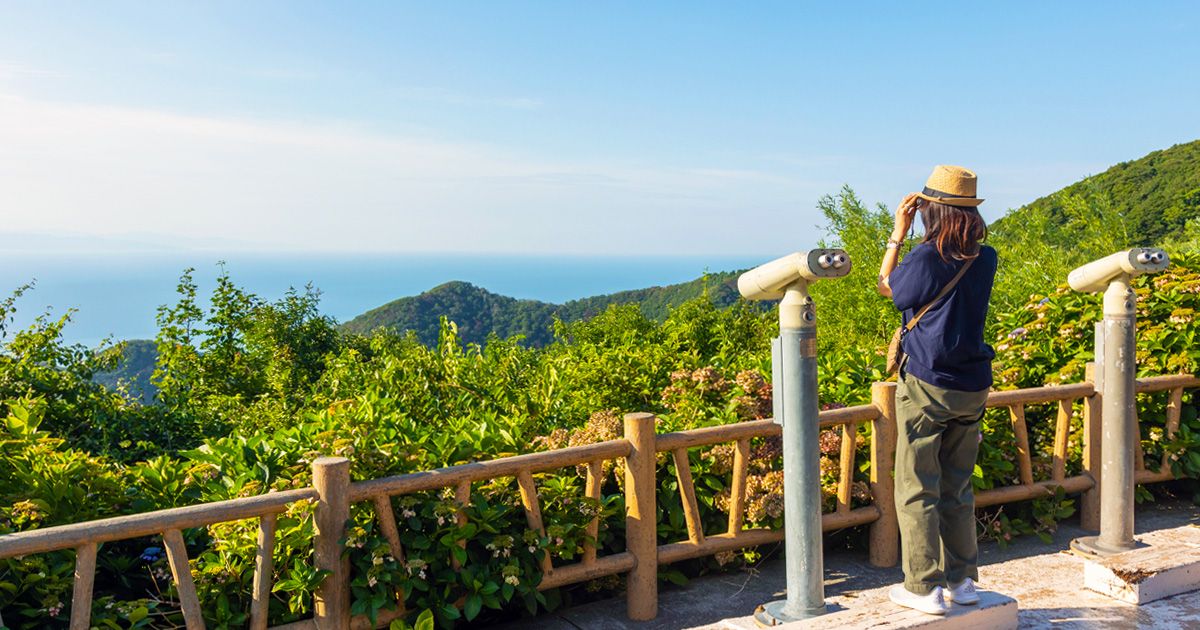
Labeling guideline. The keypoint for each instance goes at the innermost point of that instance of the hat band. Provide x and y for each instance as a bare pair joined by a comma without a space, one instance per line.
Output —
937,193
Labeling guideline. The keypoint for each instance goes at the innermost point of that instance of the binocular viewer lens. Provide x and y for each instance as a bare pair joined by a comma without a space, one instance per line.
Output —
837,261
1151,258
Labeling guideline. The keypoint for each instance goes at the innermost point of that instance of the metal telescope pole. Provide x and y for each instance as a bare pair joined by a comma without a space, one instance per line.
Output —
1119,434
1119,426
801,465
1118,423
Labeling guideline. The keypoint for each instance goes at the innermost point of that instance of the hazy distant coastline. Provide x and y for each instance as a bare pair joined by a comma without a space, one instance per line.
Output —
117,294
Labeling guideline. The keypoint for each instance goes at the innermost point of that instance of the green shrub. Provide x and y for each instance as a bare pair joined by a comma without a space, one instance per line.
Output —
1051,339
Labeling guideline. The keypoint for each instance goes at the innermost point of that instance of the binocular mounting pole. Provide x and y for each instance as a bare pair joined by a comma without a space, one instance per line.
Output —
795,355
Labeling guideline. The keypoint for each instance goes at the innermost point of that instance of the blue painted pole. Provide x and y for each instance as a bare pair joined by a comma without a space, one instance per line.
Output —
797,400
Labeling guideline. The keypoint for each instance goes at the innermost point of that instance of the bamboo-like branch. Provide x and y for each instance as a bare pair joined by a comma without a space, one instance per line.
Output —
533,513
1017,413
595,469
1062,430
462,497
264,569
737,489
387,524
1174,411
687,494
178,559
85,577
846,467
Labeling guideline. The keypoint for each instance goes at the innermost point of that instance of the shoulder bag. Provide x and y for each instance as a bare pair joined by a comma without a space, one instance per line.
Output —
894,354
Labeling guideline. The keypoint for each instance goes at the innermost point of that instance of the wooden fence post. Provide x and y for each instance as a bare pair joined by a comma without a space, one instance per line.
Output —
1089,503
331,603
884,538
641,527
85,578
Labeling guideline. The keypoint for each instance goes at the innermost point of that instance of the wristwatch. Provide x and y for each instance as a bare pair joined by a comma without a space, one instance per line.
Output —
893,244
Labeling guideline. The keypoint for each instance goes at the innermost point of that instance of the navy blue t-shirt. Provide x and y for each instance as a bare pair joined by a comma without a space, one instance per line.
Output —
946,349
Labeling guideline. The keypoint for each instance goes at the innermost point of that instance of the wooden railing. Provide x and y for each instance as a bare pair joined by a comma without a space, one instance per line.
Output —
880,514
85,537
380,492
334,493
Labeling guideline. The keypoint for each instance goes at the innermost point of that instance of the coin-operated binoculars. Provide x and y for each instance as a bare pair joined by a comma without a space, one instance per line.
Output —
794,372
1116,351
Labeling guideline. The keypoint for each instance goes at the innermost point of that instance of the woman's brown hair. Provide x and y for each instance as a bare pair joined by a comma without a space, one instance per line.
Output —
955,231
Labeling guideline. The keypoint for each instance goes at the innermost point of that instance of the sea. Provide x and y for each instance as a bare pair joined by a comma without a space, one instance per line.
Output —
116,296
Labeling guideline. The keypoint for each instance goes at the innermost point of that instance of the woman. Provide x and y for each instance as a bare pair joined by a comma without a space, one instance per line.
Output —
945,375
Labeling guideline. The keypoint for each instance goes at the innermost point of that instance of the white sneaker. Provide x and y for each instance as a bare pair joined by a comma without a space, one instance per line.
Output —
964,593
933,603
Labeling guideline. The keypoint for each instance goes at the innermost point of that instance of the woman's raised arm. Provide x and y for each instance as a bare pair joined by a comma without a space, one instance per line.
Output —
904,219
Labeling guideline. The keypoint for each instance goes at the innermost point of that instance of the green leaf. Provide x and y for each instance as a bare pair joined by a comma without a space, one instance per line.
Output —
472,607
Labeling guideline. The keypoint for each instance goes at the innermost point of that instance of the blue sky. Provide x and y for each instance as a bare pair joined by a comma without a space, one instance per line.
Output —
556,127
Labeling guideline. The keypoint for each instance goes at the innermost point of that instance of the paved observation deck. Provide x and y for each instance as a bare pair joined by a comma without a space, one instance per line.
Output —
1046,581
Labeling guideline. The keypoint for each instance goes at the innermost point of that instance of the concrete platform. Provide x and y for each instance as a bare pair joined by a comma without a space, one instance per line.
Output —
994,612
1046,580
1168,565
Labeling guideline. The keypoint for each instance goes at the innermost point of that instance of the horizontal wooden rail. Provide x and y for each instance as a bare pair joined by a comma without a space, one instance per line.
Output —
479,471
1163,383
1153,476
708,436
847,415
579,572
1037,395
684,550
1035,490
148,523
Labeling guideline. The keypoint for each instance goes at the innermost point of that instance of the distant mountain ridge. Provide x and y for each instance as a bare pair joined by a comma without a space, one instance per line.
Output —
478,313
134,369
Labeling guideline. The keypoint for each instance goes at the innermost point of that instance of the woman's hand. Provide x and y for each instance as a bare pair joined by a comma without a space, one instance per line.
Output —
904,216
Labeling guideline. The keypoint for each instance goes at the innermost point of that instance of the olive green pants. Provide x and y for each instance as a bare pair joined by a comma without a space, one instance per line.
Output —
935,457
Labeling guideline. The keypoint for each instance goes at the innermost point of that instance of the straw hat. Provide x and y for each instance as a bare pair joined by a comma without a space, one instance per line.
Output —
951,185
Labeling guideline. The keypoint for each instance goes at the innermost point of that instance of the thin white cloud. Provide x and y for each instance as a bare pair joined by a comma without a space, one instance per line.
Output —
10,70
109,171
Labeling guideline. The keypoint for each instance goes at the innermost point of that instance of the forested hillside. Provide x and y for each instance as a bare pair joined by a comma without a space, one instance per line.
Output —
1157,193
479,313
132,369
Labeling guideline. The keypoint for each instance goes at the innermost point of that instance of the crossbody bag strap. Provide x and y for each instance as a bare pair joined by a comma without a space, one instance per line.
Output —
912,323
